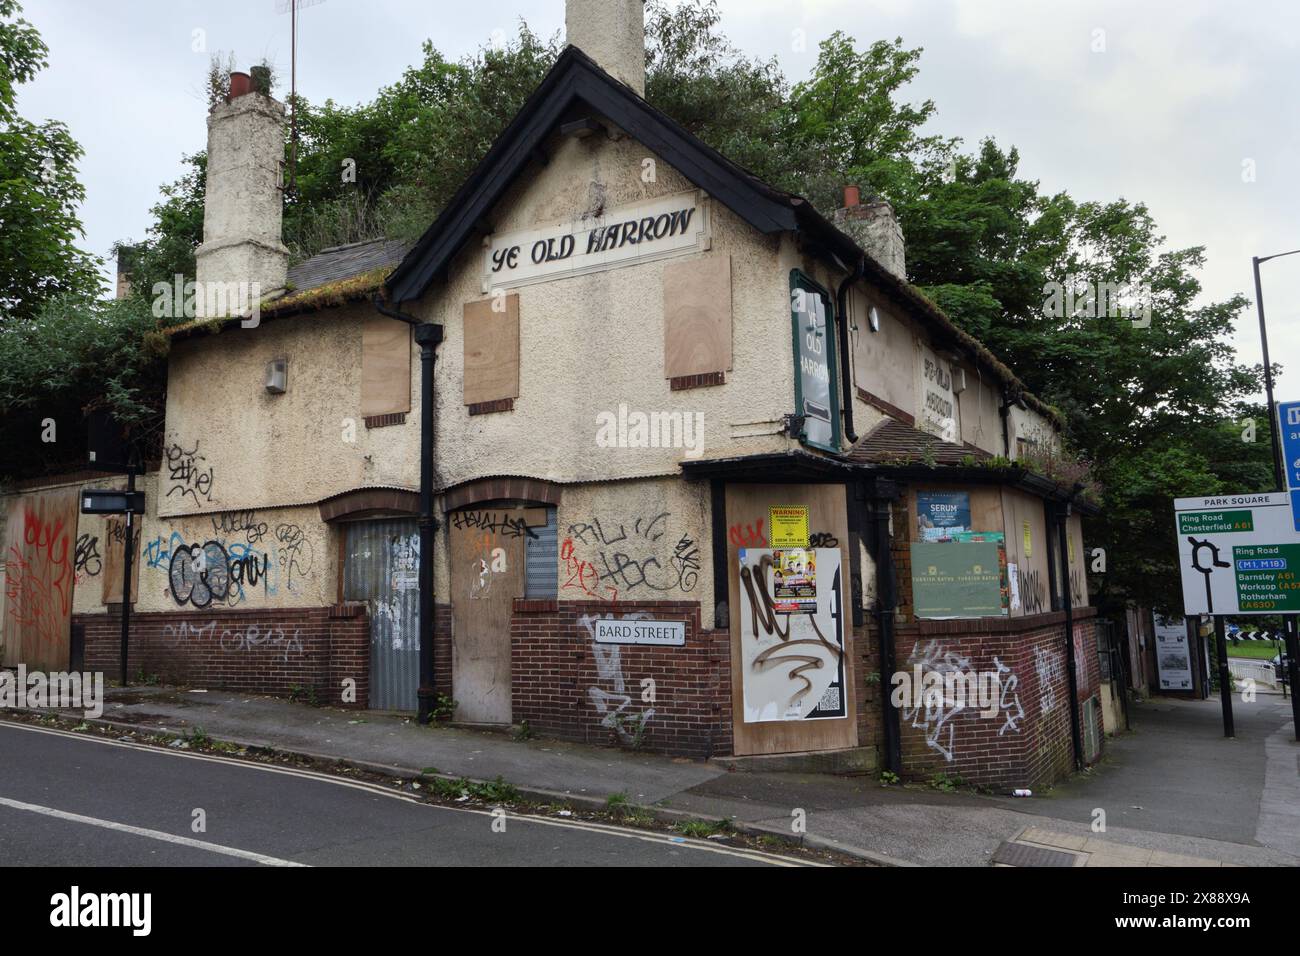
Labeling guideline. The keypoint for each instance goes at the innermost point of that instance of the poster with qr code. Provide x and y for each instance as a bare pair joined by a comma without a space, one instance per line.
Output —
792,634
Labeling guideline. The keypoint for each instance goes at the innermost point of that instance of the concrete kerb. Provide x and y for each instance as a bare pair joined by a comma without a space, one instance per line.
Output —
532,794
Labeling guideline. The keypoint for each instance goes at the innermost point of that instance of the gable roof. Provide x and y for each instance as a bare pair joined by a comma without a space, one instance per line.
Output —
894,442
577,79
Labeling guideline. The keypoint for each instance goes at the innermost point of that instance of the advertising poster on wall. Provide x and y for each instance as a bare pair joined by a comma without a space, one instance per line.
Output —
959,579
794,581
792,664
941,515
1173,654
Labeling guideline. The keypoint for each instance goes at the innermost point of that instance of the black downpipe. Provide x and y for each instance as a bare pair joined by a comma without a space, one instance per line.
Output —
427,336
886,606
842,311
1005,412
1068,603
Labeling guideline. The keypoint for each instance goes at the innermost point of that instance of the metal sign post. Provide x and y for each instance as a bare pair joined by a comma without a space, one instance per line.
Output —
96,501
1225,676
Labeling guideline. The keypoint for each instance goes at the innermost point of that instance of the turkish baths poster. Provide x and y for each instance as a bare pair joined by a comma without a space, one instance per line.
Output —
792,662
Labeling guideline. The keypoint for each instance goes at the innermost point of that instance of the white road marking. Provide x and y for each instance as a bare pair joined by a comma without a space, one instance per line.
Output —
151,834
648,836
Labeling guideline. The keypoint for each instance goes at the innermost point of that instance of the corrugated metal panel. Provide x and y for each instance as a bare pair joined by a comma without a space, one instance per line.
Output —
381,566
543,557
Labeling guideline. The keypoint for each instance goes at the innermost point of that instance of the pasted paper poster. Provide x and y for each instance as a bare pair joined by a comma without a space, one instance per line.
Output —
791,664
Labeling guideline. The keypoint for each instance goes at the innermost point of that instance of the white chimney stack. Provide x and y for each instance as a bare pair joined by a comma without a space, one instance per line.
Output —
242,204
875,228
611,32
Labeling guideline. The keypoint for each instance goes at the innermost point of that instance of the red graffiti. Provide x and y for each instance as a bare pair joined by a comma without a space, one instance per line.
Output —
582,575
38,578
748,535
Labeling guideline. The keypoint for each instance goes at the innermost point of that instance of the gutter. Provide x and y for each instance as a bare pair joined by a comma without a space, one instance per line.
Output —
428,335
1063,516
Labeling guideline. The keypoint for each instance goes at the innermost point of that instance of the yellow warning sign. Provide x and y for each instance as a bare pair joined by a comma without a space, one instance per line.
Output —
789,527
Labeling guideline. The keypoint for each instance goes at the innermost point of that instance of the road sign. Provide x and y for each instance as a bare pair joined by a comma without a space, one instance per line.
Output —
1238,554
109,501
1288,427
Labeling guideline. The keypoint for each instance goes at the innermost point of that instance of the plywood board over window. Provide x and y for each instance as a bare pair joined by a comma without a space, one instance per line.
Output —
113,546
697,316
491,349
385,366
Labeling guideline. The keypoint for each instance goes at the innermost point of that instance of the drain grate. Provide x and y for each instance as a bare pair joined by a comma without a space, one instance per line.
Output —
1022,854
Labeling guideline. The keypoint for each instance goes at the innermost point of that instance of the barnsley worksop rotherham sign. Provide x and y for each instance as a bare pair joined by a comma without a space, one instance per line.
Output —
1238,554
656,229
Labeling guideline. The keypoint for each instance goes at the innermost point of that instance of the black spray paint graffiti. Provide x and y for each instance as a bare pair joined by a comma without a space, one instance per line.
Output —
88,562
823,539
199,574
240,522
295,554
1076,588
622,572
187,475
493,522
1032,591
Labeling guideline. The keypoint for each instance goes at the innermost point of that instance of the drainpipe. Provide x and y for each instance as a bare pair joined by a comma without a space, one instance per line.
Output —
427,336
841,307
1005,411
883,495
1063,515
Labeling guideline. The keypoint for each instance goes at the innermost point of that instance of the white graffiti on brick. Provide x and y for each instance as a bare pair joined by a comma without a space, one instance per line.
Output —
257,635
936,716
1049,669
627,725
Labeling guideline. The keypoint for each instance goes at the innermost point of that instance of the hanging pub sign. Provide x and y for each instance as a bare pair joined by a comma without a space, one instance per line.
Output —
656,229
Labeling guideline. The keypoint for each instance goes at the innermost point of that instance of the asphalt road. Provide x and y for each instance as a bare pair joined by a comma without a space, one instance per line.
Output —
72,800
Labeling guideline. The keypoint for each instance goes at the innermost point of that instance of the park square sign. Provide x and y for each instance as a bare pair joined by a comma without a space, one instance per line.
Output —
1238,554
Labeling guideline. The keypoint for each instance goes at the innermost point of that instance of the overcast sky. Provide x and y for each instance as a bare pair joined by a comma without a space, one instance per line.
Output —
1189,107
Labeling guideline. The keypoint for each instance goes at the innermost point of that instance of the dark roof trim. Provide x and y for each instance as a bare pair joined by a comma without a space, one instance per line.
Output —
576,77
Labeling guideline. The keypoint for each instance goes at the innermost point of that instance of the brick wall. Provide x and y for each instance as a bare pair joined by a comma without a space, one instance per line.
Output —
1027,743
565,685
261,652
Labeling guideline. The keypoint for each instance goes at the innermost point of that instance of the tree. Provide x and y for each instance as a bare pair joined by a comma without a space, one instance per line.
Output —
39,190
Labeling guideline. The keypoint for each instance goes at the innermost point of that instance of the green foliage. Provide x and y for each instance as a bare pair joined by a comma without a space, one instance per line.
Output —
39,190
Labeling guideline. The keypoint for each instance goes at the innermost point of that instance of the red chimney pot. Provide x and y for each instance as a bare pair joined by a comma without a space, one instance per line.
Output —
240,83
852,197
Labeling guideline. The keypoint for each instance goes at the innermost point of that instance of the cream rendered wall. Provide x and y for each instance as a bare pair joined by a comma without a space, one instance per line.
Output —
294,546
661,527
884,362
1078,559
981,422
1029,424
265,450
592,342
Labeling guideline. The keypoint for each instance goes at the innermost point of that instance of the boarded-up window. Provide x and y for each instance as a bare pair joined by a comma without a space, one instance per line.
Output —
492,349
697,316
385,366
114,560
40,545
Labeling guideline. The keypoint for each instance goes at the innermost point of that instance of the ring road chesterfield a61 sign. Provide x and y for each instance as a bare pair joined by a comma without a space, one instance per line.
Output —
1238,554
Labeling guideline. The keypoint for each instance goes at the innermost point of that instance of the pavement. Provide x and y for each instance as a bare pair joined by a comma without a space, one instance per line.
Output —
1173,788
